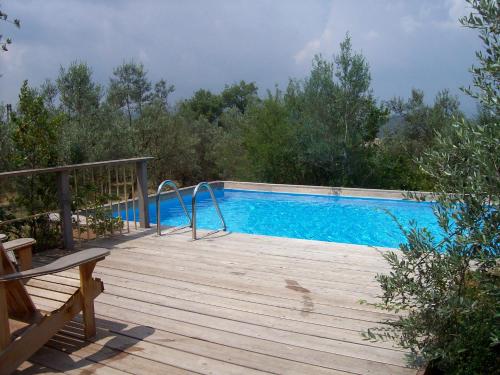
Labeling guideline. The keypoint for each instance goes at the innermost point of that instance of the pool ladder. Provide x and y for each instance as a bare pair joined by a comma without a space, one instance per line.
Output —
193,205
192,221
158,196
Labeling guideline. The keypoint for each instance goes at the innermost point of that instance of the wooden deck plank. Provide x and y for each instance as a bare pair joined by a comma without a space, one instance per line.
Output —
136,280
227,304
305,312
261,260
260,265
205,291
138,356
204,342
28,368
233,281
201,347
120,355
254,344
273,247
113,313
155,344
343,329
286,251
70,363
281,335
348,262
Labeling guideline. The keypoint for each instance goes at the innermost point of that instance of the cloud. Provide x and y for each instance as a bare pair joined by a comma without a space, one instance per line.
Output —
323,43
200,44
372,35
456,10
310,49
409,24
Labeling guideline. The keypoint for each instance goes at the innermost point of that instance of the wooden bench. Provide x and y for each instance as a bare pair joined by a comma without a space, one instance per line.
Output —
24,327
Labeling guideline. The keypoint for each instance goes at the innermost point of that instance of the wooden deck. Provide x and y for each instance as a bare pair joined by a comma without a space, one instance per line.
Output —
225,304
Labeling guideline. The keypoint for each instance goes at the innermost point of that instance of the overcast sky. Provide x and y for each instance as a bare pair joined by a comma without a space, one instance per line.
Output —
209,43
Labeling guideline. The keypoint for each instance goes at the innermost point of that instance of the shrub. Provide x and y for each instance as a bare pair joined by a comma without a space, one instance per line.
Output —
449,290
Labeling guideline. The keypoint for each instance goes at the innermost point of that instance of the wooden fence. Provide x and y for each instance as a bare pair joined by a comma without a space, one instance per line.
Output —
89,199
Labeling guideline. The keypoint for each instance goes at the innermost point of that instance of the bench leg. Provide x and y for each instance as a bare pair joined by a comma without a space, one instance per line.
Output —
4,318
86,288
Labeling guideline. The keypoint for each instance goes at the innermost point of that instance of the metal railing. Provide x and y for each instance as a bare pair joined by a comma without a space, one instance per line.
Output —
83,201
179,197
214,200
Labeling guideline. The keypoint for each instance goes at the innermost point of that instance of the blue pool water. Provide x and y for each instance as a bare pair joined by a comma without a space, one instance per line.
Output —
362,221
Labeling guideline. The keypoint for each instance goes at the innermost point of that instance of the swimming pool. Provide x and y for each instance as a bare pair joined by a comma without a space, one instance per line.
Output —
363,221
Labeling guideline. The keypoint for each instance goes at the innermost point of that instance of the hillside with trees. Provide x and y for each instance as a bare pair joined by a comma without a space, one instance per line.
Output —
325,129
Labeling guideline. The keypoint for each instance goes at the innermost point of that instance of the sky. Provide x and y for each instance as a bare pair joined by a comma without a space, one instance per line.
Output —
195,44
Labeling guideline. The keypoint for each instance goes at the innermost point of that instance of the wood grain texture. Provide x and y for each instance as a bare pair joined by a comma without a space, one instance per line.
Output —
226,304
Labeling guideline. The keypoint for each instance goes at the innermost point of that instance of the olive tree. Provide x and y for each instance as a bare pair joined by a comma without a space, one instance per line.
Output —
449,289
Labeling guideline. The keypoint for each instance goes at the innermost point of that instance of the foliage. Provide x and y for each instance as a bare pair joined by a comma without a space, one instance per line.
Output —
450,290
485,19
100,219
35,137
229,151
171,141
239,96
411,132
211,106
34,132
79,99
129,89
336,119
272,141
4,42
6,146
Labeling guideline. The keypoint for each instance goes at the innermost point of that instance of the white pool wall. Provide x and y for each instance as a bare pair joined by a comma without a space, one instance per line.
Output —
322,190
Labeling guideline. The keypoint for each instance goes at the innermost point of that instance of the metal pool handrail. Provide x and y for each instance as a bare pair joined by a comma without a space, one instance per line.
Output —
158,196
193,206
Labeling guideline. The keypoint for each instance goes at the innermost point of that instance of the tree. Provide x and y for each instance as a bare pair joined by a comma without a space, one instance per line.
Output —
354,78
6,146
49,91
79,95
4,42
239,95
129,89
203,104
271,141
450,289
35,136
35,133
80,100
407,135
336,117
162,91
173,145
228,151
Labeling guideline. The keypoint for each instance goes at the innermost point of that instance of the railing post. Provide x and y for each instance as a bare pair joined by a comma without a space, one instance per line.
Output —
64,199
142,193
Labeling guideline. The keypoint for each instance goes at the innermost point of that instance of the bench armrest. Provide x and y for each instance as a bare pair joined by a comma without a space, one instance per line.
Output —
23,249
59,265
18,244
